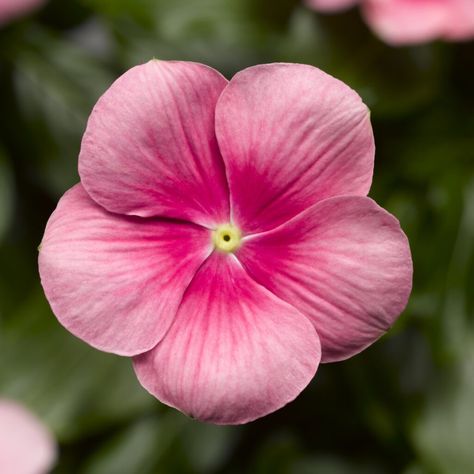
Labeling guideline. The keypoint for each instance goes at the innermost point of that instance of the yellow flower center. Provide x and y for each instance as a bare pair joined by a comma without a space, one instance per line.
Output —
227,238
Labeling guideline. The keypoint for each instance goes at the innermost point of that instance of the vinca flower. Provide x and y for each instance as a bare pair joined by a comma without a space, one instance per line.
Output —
26,446
11,9
411,21
222,235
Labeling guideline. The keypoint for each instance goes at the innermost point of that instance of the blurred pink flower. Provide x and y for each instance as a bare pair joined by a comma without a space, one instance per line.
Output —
11,9
221,234
411,21
26,446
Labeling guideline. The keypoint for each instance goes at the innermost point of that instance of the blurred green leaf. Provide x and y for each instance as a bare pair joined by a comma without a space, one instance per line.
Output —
137,449
332,465
445,431
277,454
392,81
146,446
72,386
226,34
208,446
57,84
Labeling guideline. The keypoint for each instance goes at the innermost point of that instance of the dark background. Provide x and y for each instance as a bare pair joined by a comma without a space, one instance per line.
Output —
405,405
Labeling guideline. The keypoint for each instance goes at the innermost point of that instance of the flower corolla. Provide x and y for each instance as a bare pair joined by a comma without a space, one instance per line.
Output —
222,235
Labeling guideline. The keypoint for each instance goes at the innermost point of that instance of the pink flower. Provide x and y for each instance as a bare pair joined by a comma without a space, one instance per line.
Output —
11,9
411,21
26,446
221,234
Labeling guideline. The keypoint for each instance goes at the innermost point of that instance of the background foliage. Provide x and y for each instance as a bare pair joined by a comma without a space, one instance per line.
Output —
406,405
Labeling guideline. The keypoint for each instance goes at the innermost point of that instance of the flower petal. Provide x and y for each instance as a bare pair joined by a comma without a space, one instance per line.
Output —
405,21
330,6
11,9
344,263
115,281
234,353
461,23
291,135
150,146
26,446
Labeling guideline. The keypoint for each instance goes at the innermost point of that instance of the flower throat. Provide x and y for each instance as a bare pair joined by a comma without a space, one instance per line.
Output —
227,238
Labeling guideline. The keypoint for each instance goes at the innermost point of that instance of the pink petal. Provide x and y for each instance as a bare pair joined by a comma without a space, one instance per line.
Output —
331,5
290,136
11,9
344,263
26,446
234,353
150,146
407,21
115,281
461,22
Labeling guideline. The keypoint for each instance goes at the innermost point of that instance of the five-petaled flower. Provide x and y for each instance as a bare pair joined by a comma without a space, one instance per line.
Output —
222,236
11,9
411,21
26,445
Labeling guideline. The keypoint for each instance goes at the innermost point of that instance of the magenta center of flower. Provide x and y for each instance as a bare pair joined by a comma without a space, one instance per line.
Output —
227,238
